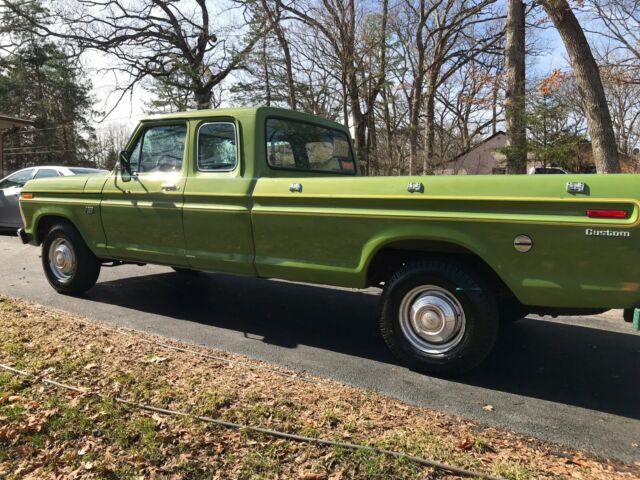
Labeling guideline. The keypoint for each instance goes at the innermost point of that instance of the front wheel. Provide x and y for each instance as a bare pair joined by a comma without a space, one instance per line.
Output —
69,265
439,317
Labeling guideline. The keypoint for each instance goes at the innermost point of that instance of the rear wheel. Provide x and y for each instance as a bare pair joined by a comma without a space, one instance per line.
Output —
439,317
69,265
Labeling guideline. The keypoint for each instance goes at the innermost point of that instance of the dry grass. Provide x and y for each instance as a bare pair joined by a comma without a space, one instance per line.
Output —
47,432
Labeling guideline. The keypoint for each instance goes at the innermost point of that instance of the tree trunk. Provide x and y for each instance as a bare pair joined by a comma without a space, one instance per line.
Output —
2,172
587,75
387,125
345,100
291,86
359,124
274,19
267,77
414,120
203,97
413,137
429,127
515,108
494,105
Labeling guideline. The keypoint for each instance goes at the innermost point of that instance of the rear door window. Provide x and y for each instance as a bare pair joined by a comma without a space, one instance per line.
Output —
217,150
45,173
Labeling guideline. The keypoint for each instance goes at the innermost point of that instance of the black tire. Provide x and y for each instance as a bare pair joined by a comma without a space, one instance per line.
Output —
465,291
74,280
511,311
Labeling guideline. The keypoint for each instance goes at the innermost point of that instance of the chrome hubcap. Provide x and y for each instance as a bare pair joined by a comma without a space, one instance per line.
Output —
62,260
432,319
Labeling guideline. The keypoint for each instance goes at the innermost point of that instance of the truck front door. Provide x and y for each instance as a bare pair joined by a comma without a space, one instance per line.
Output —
142,218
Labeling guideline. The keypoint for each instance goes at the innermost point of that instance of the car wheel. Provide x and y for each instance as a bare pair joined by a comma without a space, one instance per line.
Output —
439,317
69,265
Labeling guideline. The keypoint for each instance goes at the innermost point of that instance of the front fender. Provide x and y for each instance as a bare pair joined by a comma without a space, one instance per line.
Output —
83,212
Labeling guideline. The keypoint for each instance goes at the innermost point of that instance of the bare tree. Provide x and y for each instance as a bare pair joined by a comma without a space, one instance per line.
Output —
623,94
587,76
469,99
618,21
148,39
438,38
338,23
108,143
273,12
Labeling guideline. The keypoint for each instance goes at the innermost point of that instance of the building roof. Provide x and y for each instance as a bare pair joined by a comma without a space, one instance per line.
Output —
7,122
485,140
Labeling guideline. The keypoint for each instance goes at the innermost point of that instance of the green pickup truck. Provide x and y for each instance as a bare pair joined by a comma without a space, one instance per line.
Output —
272,193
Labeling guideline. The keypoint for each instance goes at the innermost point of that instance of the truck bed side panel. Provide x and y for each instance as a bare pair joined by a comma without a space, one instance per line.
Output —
329,232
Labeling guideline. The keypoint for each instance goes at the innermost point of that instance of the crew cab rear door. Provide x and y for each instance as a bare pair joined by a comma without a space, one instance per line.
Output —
217,200
142,218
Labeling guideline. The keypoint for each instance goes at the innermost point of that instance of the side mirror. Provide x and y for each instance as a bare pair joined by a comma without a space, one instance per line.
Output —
125,166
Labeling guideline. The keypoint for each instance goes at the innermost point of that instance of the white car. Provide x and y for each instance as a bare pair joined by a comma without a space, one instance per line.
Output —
11,185
547,170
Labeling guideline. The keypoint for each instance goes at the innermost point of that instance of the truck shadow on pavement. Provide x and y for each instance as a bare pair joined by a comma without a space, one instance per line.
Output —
580,366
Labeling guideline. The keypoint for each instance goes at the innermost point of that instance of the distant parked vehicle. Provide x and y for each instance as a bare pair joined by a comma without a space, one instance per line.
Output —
11,185
547,170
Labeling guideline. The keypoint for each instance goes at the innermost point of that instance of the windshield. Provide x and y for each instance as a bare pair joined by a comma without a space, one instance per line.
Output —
17,179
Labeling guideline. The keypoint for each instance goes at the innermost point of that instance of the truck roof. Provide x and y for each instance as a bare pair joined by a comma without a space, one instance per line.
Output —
244,111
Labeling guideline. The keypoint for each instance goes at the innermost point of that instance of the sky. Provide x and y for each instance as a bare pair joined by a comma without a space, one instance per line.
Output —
132,107
128,111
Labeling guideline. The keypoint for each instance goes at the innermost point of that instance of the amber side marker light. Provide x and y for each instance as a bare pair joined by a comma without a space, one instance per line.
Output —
26,195
607,214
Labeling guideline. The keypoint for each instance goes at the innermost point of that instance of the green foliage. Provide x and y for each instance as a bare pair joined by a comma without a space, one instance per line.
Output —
552,140
39,81
170,94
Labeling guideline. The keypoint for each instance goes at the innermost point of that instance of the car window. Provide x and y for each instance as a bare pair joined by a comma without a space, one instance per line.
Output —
305,146
159,149
46,172
217,146
83,170
18,179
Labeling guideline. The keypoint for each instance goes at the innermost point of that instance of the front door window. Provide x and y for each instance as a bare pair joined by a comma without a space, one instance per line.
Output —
159,149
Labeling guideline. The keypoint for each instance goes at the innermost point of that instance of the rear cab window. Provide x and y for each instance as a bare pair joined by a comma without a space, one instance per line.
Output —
297,145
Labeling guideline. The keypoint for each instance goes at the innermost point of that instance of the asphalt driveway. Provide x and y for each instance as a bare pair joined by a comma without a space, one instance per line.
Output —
572,380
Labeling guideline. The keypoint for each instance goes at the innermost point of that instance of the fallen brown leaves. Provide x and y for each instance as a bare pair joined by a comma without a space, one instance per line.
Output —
46,432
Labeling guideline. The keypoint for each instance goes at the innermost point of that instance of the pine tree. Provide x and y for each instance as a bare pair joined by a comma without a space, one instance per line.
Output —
40,82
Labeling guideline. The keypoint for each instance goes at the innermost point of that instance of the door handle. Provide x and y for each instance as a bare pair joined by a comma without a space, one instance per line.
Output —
295,187
169,187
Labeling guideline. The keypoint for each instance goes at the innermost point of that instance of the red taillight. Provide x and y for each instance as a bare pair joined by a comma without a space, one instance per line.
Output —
607,213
